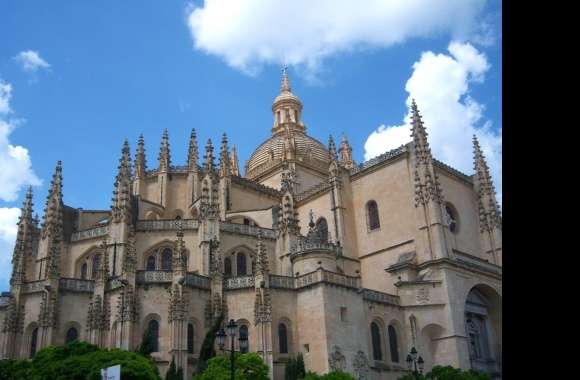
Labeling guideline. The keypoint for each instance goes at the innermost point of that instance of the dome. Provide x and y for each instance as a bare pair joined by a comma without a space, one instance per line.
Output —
308,150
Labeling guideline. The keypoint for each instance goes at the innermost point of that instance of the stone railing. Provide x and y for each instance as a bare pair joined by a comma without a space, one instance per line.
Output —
243,229
477,262
340,279
281,282
90,233
195,280
242,282
76,285
154,276
378,159
380,297
5,301
305,245
114,283
164,225
320,187
33,286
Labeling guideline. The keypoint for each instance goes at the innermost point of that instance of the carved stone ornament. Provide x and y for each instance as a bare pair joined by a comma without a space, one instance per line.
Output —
336,360
423,295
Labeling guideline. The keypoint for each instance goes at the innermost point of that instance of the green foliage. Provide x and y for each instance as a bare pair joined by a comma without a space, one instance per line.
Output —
171,372
248,366
146,346
207,348
295,368
334,375
449,373
79,361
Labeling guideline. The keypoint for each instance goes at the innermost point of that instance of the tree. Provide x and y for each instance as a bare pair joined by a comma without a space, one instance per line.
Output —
171,372
295,368
146,346
249,366
207,348
449,373
78,361
334,375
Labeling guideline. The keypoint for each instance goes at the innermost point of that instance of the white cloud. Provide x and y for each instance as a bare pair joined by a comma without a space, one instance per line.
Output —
8,219
248,33
31,61
440,86
15,164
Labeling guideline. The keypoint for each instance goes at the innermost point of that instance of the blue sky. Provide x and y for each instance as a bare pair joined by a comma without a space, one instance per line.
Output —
99,72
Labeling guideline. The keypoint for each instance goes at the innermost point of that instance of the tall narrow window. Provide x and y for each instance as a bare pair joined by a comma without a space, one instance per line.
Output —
283,338
190,338
241,264
33,340
154,333
373,215
166,257
244,335
71,334
151,262
451,218
393,346
84,271
376,341
95,268
228,266
322,228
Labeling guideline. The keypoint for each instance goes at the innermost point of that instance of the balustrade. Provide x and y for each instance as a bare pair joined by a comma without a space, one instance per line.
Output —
244,229
90,233
76,285
239,282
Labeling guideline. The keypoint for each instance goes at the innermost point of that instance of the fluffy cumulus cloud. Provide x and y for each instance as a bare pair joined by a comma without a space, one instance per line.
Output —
15,164
8,219
31,61
440,86
248,33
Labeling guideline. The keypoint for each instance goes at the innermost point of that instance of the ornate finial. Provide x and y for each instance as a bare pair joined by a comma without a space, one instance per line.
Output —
235,165
140,159
164,153
208,165
345,151
331,149
121,207
192,154
311,216
285,87
225,164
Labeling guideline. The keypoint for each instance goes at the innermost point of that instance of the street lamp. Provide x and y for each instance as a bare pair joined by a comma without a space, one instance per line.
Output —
231,332
414,363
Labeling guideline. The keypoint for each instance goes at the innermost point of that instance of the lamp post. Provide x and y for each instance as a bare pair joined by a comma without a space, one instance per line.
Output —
231,331
415,363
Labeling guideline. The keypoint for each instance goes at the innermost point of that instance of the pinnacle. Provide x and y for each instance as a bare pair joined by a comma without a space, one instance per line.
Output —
285,86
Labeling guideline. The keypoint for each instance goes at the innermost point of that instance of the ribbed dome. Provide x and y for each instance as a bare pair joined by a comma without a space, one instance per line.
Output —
308,149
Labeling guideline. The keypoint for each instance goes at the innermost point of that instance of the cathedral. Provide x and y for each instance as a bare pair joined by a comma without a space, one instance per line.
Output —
351,265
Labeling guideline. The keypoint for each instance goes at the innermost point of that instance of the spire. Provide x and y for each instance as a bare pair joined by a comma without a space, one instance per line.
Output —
345,154
140,159
192,154
121,207
488,207
23,245
208,165
331,149
164,154
53,208
427,186
225,164
285,86
234,161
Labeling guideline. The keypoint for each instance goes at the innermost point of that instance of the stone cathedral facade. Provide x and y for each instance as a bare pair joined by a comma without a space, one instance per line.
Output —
349,264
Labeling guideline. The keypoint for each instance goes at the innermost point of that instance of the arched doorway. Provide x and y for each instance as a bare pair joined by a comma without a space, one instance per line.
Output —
483,329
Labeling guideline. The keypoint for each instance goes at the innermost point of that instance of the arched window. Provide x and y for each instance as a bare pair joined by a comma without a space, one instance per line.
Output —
33,340
71,334
373,215
154,333
452,219
241,264
84,269
166,257
244,335
322,228
283,338
228,266
95,268
151,262
393,345
190,338
376,341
